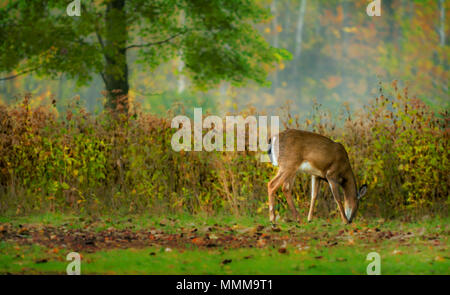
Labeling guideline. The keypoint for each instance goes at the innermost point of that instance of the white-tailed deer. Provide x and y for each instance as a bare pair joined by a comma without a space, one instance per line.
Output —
294,150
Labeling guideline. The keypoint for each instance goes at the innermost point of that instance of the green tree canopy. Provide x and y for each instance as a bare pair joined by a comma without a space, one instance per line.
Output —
216,40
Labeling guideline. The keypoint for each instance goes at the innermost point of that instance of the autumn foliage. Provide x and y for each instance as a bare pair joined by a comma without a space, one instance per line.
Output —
80,162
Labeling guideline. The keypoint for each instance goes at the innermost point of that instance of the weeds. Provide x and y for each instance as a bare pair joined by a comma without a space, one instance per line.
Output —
78,162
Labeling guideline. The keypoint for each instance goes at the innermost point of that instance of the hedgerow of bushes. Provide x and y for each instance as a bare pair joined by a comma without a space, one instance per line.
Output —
79,162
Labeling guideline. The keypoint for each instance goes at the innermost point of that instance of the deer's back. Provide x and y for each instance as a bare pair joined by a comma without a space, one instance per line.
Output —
309,151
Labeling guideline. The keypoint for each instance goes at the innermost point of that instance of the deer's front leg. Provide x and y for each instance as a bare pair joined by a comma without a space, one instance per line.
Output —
314,190
335,191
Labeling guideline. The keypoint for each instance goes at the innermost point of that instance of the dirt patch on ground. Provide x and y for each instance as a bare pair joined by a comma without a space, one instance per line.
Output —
90,240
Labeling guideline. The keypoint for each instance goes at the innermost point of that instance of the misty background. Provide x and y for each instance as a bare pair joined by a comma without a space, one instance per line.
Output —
339,56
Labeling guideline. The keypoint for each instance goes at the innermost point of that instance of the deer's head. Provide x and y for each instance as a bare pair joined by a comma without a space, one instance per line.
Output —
352,203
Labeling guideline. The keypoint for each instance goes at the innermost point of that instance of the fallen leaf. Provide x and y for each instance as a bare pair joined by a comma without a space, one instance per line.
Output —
198,241
261,242
282,250
259,227
226,261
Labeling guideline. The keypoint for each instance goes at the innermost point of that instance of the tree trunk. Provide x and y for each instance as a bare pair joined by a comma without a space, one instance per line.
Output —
298,38
392,28
343,65
299,35
273,10
442,22
346,13
116,68
181,78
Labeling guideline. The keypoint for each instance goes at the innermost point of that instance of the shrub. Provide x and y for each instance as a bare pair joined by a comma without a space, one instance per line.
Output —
96,164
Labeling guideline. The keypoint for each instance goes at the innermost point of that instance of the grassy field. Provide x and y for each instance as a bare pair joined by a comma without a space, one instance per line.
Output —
187,244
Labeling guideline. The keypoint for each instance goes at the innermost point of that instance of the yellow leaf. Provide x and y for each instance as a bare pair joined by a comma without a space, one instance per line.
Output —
350,29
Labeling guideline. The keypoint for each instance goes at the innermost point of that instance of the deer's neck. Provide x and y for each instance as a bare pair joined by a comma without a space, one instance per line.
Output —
350,187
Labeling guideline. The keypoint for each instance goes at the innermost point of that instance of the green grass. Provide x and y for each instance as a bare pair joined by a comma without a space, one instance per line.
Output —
342,260
416,256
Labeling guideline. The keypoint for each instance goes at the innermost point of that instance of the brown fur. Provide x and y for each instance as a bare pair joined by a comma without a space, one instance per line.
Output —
324,159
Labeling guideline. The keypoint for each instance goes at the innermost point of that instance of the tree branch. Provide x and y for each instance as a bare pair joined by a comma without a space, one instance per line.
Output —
104,78
155,43
100,39
19,74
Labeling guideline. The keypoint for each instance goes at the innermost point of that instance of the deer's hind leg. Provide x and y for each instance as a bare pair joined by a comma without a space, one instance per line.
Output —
272,186
287,190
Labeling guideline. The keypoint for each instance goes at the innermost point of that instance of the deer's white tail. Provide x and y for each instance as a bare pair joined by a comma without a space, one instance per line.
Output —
273,150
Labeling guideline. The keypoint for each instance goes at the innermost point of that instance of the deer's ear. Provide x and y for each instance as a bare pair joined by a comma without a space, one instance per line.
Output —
362,191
